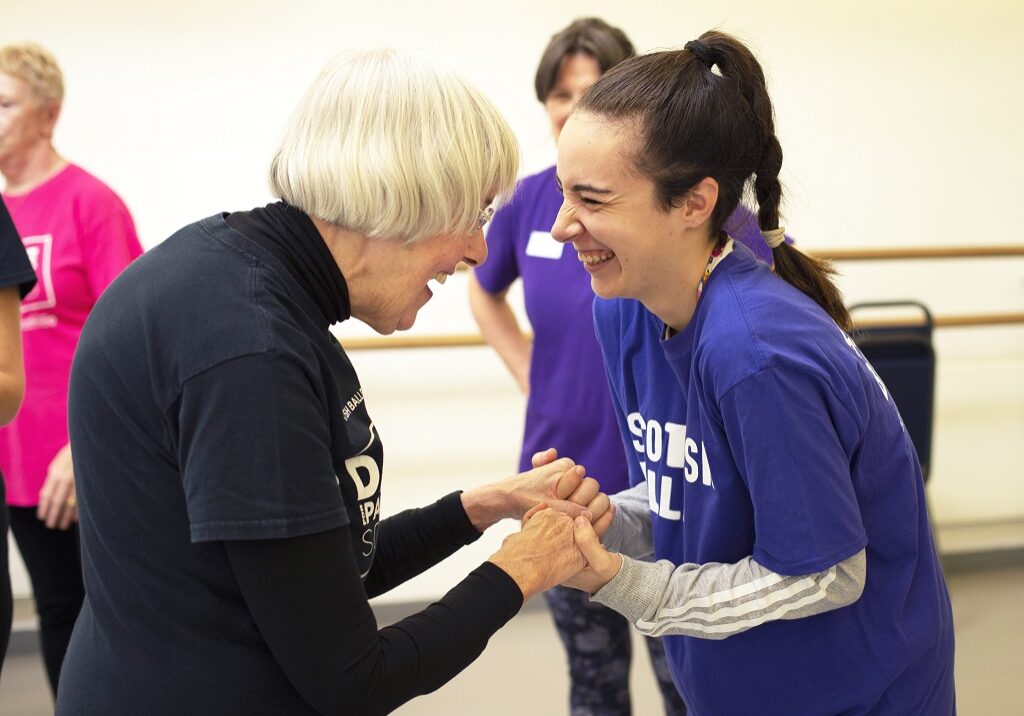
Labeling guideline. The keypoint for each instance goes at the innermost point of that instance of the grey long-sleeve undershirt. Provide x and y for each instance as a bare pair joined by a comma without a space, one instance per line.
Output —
713,600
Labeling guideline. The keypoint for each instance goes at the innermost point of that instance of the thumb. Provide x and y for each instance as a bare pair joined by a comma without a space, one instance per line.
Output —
588,542
543,457
571,508
533,510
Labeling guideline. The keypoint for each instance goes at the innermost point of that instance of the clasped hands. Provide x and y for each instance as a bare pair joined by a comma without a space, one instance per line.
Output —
560,538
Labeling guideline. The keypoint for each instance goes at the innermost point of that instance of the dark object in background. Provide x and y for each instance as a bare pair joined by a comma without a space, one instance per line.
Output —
904,358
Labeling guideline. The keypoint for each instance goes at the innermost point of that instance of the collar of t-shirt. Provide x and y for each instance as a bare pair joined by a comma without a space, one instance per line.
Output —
292,238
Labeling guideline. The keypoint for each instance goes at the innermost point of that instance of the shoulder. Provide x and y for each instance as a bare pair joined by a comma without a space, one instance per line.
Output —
607,316
541,182
199,293
532,190
623,324
86,187
752,320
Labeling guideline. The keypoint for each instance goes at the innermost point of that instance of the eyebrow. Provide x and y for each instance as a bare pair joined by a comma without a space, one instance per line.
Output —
589,188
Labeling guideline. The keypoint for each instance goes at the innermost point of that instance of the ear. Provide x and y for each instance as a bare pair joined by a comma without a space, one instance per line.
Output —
699,202
50,112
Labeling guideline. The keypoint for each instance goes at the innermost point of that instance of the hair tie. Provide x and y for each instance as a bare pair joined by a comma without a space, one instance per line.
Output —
702,52
774,237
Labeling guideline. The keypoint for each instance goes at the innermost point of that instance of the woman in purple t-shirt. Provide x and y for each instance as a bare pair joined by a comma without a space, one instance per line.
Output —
568,406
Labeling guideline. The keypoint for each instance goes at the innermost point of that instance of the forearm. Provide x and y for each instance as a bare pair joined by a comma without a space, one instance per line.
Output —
716,600
12,390
501,330
424,651
12,373
631,532
307,600
415,540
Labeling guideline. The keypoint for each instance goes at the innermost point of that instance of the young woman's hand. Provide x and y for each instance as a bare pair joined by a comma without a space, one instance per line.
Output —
602,565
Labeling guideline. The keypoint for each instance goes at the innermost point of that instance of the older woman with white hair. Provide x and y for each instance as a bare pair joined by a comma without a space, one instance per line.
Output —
229,471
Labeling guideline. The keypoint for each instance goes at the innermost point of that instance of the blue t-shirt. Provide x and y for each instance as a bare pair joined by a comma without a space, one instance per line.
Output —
762,431
568,406
208,402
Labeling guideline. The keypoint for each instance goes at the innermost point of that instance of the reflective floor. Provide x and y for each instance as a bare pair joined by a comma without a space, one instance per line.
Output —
522,671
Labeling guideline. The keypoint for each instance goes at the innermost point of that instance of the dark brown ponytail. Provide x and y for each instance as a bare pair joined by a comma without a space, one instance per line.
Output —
705,112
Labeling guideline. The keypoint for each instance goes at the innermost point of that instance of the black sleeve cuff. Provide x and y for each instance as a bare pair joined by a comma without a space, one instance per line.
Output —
462,530
500,588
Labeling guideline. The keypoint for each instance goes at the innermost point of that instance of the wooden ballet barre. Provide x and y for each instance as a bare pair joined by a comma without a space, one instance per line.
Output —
908,252
469,340
917,252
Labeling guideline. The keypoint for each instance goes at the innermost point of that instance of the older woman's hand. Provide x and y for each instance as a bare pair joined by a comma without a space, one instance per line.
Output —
514,496
542,554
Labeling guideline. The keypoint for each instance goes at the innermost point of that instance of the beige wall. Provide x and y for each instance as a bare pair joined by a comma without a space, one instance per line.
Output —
901,126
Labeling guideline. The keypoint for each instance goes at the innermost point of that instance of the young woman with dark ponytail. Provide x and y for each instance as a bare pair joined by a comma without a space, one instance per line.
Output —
774,482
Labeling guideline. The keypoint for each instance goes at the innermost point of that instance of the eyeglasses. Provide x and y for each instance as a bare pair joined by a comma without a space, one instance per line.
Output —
485,217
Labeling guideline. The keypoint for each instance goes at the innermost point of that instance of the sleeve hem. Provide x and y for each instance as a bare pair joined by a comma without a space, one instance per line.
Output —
455,516
506,592
216,531
811,566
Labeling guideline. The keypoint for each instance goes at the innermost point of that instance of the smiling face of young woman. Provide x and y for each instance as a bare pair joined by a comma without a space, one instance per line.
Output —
630,245
610,213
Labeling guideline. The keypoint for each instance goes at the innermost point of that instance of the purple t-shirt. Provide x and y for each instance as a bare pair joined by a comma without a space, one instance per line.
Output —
569,407
762,431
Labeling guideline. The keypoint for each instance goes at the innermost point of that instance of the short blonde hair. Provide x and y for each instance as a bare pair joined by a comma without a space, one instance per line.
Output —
36,67
390,145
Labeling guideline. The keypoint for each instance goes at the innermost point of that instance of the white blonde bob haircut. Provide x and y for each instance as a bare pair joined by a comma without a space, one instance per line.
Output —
36,67
390,145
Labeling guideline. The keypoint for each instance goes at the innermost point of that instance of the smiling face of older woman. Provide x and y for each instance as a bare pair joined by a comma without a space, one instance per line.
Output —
394,159
389,282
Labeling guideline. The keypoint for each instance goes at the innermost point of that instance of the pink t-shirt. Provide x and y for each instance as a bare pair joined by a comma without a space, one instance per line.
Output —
79,236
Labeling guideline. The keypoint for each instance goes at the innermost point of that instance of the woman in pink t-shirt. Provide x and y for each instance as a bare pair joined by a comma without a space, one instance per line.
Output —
79,236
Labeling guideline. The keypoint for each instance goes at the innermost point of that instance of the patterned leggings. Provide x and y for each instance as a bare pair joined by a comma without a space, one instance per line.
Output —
597,642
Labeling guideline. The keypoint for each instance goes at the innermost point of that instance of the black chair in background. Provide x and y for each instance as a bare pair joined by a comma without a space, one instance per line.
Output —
903,356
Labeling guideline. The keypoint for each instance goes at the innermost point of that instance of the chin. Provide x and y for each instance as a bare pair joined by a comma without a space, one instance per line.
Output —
605,289
404,323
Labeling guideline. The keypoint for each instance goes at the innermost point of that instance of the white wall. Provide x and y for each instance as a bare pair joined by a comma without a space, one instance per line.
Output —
900,123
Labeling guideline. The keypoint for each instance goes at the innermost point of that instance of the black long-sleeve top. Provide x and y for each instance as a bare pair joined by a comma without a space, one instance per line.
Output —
306,597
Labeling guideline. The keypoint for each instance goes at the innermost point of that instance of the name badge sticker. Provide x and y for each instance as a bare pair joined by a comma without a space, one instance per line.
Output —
542,246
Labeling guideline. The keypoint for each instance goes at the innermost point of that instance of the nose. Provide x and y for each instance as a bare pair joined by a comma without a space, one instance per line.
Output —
476,250
566,227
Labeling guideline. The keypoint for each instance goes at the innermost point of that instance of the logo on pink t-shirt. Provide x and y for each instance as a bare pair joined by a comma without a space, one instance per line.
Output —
40,253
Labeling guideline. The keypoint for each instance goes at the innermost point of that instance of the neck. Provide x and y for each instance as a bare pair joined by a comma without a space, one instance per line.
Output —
350,252
673,298
29,169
